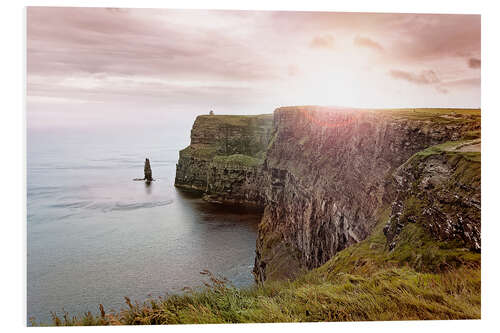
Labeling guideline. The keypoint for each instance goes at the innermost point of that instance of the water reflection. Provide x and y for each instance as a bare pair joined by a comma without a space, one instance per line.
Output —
148,186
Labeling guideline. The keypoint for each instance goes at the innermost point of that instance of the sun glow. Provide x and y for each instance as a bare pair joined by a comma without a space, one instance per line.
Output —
183,62
315,118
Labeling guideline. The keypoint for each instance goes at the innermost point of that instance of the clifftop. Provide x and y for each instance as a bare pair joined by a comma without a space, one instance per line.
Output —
239,132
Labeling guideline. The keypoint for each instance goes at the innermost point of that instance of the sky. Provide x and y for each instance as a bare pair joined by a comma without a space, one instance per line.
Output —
97,67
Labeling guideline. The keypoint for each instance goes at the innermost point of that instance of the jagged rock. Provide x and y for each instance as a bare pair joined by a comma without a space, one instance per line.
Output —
441,190
148,174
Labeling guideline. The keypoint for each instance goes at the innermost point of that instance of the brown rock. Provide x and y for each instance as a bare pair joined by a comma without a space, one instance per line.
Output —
148,174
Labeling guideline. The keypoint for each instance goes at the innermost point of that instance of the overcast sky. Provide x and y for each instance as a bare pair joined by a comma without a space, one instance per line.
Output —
96,66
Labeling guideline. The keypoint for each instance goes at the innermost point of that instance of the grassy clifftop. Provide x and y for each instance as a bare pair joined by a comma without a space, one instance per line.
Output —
224,135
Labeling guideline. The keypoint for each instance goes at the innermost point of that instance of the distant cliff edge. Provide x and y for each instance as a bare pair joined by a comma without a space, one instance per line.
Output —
225,158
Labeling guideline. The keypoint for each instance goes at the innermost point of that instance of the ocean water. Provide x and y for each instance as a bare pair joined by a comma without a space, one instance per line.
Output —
95,235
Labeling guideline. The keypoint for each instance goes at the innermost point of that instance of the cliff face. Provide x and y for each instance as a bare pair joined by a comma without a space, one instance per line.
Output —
324,176
225,157
329,172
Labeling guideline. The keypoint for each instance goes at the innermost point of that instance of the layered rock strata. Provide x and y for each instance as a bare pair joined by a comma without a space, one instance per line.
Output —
225,157
440,189
321,174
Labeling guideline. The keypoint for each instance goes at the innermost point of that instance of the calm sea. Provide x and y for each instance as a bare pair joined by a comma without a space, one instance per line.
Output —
95,236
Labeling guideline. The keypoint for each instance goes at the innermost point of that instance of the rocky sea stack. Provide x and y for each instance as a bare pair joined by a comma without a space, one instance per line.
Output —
148,174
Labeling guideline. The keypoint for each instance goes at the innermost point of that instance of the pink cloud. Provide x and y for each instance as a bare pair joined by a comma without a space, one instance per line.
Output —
95,40
464,83
435,36
322,42
367,42
424,77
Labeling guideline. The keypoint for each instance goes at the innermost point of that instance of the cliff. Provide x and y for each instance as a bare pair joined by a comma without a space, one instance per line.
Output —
224,158
371,214
322,175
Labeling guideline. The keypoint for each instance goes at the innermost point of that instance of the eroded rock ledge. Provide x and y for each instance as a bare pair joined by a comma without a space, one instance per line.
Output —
321,173
439,188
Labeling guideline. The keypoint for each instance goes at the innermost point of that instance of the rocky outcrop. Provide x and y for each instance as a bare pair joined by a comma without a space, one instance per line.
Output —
148,174
225,157
440,189
321,173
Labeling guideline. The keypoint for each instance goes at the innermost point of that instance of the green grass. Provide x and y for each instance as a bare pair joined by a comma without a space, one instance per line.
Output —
439,116
238,120
237,160
449,146
415,248
470,135
200,151
467,165
436,114
469,162
248,141
399,293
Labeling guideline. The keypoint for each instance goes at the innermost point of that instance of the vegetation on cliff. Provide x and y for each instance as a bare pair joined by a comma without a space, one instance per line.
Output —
224,135
388,294
439,189
238,160
223,155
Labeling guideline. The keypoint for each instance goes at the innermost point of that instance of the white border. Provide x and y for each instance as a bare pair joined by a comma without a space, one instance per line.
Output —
13,153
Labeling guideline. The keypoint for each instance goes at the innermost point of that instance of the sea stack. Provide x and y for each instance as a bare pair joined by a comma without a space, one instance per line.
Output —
148,174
